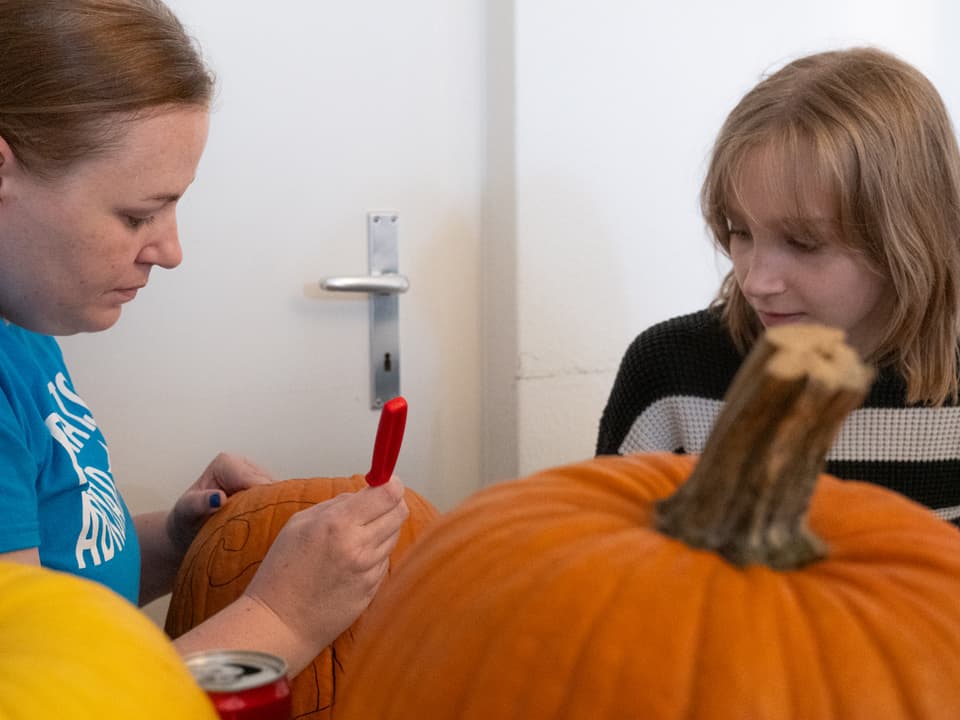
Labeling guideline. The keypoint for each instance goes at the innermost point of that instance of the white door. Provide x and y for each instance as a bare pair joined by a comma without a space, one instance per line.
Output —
324,112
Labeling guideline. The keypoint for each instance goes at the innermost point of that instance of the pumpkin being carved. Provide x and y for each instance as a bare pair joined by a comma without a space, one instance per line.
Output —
581,592
227,551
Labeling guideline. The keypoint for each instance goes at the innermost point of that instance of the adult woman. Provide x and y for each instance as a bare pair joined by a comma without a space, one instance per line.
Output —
834,187
103,120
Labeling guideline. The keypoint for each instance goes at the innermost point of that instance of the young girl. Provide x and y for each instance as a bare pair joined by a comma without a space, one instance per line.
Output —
834,188
103,119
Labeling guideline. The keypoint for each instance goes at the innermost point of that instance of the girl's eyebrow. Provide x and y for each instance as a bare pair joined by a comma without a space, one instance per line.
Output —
733,212
808,220
736,214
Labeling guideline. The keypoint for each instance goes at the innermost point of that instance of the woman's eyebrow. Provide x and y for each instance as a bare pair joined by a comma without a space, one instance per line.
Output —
163,197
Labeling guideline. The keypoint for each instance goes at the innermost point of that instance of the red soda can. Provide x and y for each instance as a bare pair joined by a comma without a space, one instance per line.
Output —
243,685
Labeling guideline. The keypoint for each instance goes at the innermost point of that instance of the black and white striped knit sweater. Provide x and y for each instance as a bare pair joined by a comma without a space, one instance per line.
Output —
673,377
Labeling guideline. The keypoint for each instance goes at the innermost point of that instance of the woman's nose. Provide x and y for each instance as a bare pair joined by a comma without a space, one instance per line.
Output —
163,249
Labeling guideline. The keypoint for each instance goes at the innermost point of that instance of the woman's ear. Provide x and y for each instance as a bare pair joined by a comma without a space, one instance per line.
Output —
5,154
8,166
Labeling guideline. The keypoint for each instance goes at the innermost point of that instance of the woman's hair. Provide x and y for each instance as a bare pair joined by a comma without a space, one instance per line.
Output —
875,130
71,71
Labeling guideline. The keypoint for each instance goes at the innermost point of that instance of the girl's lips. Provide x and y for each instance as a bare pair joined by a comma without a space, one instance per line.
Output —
770,319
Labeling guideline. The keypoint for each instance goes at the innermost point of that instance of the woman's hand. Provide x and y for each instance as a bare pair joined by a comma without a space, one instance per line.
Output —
165,536
223,477
326,564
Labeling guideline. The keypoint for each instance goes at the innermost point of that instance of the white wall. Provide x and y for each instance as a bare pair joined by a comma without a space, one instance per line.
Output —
617,104
325,111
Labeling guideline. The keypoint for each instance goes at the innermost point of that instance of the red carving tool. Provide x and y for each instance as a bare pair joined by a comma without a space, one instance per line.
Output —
393,418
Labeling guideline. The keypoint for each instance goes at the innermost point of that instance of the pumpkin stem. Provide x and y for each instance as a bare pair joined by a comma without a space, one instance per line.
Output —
748,496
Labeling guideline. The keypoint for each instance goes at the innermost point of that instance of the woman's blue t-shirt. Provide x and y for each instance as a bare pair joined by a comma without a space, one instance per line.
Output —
56,488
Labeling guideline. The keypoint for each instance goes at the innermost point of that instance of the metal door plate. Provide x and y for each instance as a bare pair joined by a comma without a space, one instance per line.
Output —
382,233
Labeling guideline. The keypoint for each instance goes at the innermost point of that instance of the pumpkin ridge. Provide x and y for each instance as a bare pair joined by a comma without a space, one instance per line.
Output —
900,660
802,642
775,605
405,655
488,649
584,657
805,613
902,597
739,601
893,677
690,708
542,603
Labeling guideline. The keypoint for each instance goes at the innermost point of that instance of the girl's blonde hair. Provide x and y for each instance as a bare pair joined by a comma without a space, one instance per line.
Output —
876,130
73,70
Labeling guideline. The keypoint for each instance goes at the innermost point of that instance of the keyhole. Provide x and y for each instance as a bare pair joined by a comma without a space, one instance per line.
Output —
387,363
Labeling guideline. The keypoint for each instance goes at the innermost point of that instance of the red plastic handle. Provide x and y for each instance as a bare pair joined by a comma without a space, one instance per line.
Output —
393,418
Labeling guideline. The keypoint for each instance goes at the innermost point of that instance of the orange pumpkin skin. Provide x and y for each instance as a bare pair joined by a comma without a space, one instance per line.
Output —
227,551
552,598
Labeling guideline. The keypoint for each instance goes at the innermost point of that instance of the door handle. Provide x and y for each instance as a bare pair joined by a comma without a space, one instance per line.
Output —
383,285
386,284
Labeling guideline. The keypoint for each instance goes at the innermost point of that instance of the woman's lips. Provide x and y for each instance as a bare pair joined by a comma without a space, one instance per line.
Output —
125,295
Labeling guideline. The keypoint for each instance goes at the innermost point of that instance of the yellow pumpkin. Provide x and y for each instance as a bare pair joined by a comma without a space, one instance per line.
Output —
70,649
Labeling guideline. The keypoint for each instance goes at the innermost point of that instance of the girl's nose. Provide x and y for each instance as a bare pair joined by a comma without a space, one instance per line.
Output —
761,274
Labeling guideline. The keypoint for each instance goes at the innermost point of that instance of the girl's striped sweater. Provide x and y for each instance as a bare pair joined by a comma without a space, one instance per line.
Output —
669,390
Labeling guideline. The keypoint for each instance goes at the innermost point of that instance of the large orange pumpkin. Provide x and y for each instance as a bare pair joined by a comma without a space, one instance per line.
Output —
227,551
568,595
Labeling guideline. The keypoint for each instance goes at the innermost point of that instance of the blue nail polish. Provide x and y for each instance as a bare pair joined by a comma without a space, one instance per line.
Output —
215,500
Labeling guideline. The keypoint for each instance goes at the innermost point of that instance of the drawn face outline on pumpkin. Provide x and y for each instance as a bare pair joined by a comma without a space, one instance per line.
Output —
230,547
790,261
